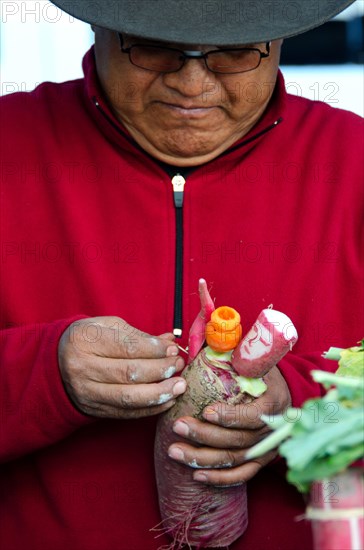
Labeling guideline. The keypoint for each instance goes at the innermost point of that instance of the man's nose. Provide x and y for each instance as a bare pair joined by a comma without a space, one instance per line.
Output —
191,79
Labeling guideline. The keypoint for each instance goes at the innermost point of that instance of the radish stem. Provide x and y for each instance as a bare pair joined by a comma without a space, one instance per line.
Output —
334,354
196,336
336,380
270,442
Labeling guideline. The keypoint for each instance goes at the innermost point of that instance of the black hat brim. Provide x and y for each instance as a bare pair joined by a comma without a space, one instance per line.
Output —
215,22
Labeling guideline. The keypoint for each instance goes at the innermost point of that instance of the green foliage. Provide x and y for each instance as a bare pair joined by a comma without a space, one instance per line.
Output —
326,435
351,361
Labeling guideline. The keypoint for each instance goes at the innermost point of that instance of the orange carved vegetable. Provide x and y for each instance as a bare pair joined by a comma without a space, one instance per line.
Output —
223,331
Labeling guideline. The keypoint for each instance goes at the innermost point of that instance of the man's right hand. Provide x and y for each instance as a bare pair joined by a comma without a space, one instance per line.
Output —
113,370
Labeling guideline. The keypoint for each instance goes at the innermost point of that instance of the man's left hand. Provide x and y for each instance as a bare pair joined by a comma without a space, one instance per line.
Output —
216,448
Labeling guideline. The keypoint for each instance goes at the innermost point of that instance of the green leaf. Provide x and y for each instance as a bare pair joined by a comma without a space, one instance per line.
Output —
252,386
304,446
326,435
324,467
351,363
217,356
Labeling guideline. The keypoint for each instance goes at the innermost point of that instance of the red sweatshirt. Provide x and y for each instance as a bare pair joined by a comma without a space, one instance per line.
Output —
88,228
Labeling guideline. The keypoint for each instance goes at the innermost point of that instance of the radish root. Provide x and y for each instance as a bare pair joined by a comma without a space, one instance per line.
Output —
199,517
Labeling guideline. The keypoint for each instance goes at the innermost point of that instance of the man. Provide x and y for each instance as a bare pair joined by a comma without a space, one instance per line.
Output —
178,156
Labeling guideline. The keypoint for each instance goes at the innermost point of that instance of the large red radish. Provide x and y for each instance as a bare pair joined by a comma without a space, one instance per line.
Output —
192,513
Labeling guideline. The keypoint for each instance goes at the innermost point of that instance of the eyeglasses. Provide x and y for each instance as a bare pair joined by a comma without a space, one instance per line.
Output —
163,59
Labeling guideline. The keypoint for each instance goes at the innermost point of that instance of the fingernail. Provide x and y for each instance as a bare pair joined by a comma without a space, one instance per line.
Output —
180,363
176,453
171,351
199,476
181,428
179,387
210,414
169,371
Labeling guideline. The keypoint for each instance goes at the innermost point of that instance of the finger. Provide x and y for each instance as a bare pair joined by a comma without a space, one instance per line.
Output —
233,476
277,397
245,416
211,435
226,478
248,416
114,337
135,396
133,371
205,457
136,344
167,336
151,347
106,411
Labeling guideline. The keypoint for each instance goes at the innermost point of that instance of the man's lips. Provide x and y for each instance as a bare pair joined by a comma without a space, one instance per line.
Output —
187,109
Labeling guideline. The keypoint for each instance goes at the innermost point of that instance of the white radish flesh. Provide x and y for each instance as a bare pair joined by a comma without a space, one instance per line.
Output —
270,338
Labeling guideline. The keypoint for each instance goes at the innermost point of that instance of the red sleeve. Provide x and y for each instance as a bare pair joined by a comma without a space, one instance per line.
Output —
296,371
35,409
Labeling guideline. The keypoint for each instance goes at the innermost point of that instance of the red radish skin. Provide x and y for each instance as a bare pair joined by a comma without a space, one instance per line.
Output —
270,338
197,332
336,511
192,513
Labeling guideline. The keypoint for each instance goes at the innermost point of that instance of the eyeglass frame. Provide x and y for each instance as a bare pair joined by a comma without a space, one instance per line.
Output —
193,54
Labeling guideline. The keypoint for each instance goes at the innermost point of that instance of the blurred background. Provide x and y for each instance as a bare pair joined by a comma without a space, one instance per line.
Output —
38,42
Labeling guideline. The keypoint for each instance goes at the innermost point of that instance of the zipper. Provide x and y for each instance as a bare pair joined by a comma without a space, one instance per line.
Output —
178,184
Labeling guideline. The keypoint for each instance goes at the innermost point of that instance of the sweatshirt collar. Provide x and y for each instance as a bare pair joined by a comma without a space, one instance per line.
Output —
114,130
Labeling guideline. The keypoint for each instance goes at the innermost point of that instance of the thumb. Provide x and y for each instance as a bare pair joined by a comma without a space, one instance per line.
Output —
167,336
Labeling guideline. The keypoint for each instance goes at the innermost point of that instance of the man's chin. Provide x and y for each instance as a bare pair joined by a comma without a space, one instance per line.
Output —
187,145
179,156
182,148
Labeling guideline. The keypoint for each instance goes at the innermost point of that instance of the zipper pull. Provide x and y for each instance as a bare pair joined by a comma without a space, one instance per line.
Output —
178,183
